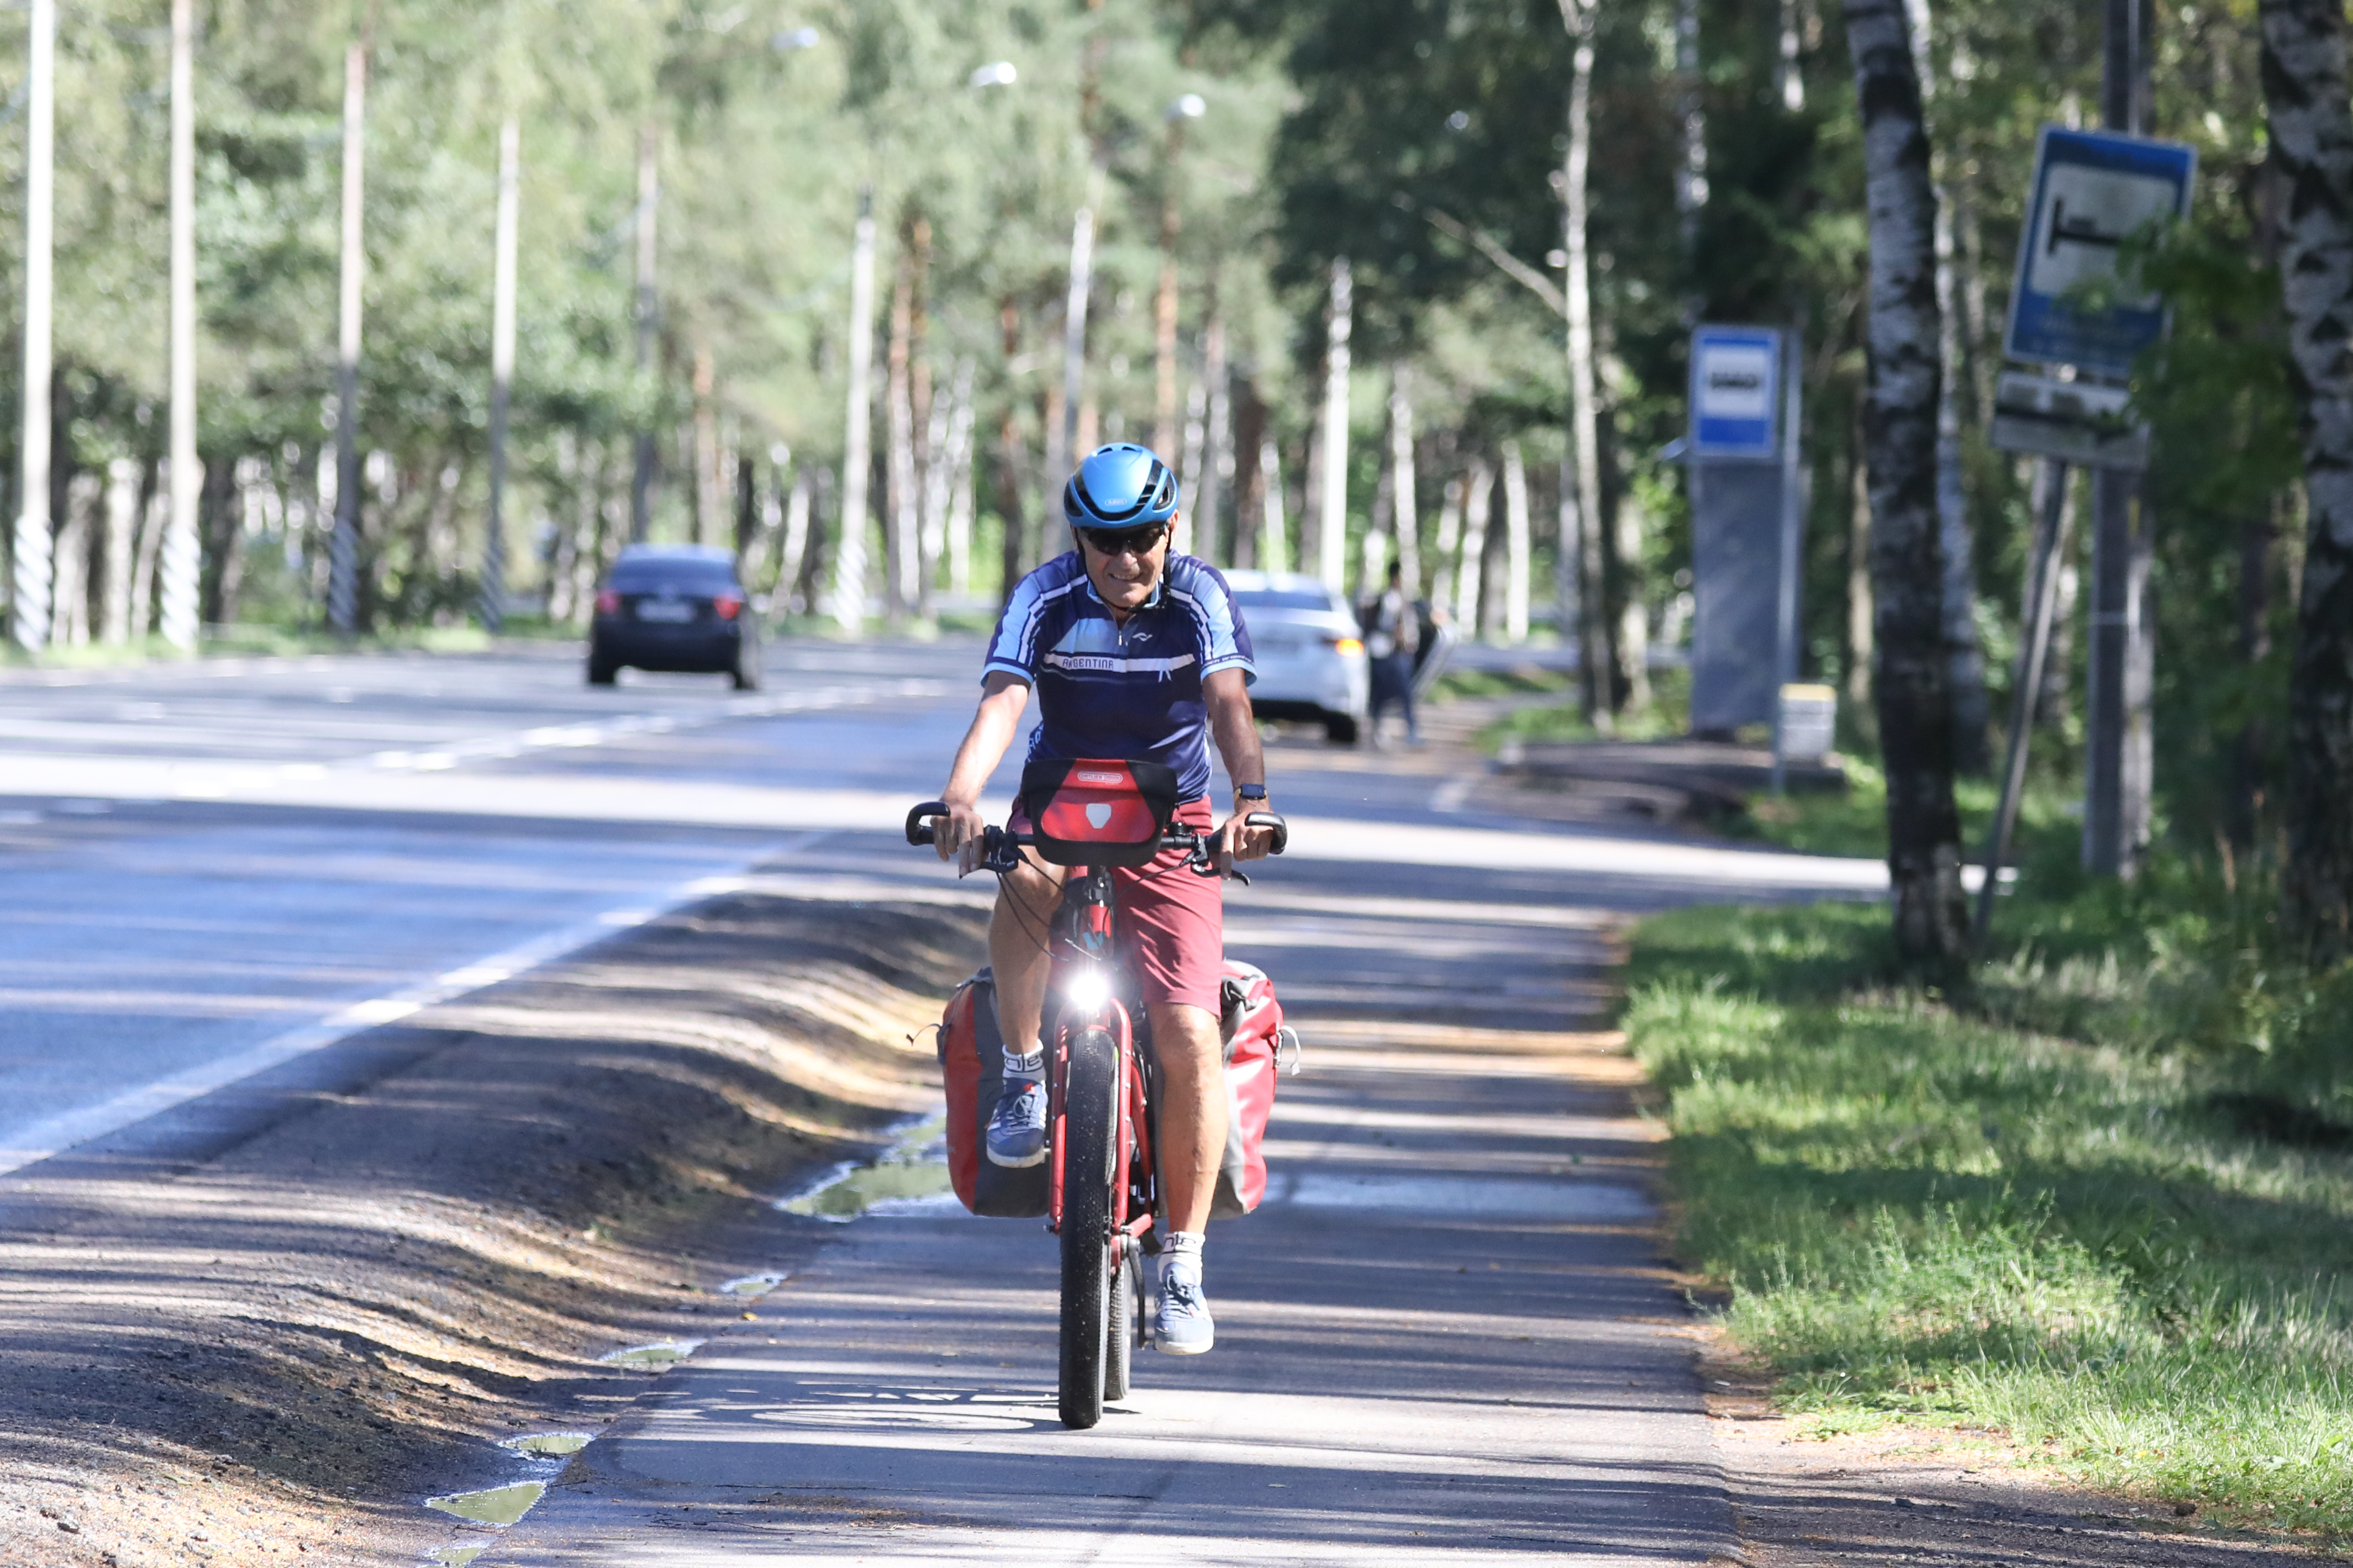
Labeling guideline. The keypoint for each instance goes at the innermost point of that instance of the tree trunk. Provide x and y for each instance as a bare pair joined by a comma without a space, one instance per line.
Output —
1405,527
1516,544
903,512
1332,523
1250,496
1970,753
1581,516
1273,539
2243,814
857,461
710,482
1924,858
1469,578
1217,448
1634,650
2311,143
121,543
1859,612
1448,544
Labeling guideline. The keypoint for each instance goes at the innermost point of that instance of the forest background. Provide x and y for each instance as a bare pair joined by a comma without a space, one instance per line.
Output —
1421,140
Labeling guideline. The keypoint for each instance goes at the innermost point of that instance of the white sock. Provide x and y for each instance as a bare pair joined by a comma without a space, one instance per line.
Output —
1182,1250
1031,1066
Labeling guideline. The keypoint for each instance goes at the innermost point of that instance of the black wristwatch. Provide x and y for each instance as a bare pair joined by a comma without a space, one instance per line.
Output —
1250,792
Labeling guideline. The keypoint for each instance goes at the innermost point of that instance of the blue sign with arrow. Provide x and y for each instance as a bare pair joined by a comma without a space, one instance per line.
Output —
2093,190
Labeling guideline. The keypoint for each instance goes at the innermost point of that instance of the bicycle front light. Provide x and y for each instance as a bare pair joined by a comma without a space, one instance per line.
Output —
1088,988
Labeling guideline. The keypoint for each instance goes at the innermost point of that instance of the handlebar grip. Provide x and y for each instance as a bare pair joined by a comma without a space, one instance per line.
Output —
919,830
1272,823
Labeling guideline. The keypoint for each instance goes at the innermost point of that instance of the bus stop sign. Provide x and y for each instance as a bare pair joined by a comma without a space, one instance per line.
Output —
2093,190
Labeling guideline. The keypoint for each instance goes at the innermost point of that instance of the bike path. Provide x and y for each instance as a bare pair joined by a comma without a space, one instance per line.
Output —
1446,1337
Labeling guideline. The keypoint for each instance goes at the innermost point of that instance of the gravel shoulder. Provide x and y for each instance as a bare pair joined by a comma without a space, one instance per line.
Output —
278,1347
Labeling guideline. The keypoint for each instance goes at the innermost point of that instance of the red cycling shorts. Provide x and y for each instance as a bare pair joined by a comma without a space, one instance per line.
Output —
1173,920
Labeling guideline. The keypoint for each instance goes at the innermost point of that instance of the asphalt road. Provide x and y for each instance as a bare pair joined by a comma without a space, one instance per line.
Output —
1445,1336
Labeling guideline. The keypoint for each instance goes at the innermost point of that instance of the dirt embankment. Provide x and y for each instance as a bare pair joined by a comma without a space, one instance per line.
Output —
275,1353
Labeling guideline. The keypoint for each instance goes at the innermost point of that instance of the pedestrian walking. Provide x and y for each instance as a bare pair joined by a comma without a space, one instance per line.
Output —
1392,638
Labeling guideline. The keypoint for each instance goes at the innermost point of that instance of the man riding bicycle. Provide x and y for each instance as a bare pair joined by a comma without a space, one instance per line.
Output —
1134,654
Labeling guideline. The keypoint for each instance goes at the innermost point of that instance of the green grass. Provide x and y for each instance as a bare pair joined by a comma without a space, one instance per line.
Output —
1667,715
2032,1206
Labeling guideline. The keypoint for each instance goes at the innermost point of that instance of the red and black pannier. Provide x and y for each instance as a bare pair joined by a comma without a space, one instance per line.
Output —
972,1061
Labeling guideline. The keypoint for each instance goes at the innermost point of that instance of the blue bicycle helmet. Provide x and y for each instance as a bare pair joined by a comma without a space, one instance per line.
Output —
1120,486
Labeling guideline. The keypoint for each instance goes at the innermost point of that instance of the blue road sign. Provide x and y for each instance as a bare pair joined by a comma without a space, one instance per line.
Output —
1736,394
2092,190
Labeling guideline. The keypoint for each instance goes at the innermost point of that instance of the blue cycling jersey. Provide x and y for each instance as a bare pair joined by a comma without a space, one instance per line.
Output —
1132,691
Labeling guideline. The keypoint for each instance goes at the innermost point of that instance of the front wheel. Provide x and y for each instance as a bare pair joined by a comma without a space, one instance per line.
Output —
1090,1121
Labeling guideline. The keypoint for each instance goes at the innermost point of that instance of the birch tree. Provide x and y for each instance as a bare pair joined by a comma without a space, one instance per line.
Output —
1913,688
2305,89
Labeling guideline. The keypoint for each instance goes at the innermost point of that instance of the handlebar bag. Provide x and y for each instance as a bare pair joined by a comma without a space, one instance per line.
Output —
1096,812
972,1061
1250,1022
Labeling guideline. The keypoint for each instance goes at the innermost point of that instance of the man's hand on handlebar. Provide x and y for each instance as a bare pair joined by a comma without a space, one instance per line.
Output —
958,836
1239,841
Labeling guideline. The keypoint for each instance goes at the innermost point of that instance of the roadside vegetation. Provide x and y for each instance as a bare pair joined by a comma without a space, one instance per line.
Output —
2098,1202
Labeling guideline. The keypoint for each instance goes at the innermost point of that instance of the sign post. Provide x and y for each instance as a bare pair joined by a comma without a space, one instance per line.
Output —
1747,514
2078,313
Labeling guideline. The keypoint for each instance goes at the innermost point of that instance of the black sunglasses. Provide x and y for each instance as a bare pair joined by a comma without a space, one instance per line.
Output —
1125,540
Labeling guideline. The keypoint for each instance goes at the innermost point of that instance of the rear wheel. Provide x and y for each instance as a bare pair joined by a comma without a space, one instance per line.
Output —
1127,1313
1340,729
601,670
1089,1114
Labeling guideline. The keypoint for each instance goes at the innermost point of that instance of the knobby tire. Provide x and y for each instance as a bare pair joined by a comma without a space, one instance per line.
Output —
1090,1117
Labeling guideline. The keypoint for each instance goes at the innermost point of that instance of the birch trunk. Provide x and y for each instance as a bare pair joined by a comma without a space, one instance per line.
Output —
709,509
1450,538
856,462
1969,710
155,517
1274,548
1332,526
1405,526
903,511
1479,495
121,543
1591,616
1515,544
2311,143
796,543
1924,857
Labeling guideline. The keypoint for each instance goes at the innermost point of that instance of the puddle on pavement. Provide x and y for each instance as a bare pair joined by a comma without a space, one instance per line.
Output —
549,1444
458,1556
909,1180
753,1285
499,1505
665,1353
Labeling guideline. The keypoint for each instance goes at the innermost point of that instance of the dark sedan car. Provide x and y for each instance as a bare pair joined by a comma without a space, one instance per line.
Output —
674,606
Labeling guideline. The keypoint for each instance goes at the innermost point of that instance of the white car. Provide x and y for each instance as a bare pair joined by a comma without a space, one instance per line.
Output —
1309,650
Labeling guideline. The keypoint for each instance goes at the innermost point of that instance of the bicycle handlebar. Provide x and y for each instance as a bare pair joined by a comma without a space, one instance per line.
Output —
919,832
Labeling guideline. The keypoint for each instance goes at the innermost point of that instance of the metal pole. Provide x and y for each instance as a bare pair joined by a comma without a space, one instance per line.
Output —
648,202
2043,590
29,621
502,345
180,552
1785,616
857,453
342,576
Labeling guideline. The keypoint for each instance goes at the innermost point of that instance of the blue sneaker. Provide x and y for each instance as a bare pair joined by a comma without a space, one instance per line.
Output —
1182,1326
1016,1134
